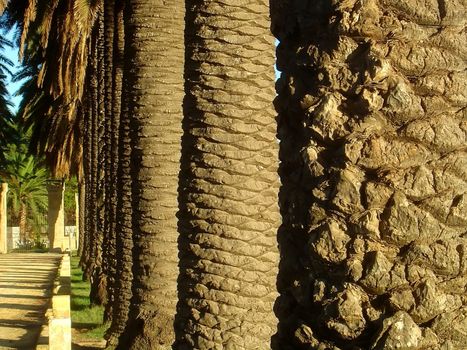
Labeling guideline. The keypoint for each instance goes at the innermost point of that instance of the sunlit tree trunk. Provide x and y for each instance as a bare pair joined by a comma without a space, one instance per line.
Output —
229,185
154,55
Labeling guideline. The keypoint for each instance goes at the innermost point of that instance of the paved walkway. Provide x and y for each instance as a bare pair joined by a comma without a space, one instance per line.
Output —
26,281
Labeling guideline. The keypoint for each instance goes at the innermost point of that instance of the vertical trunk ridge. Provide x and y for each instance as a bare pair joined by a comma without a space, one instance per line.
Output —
229,214
154,56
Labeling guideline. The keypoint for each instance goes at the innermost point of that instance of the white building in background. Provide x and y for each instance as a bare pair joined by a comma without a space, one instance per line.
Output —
71,234
12,237
70,237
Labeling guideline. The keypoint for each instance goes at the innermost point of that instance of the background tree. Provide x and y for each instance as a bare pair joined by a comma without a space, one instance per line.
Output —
121,151
27,186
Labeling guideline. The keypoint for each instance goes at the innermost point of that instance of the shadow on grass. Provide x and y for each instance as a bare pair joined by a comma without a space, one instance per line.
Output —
78,307
84,325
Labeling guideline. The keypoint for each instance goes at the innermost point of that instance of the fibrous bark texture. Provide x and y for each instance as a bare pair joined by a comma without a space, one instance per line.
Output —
372,122
90,158
154,62
228,185
123,212
111,160
98,293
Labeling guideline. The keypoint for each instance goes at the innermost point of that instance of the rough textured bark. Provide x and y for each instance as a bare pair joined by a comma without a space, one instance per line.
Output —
229,214
372,107
86,260
123,228
111,160
98,293
154,71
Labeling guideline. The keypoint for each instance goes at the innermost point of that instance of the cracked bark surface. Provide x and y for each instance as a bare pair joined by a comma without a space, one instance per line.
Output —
228,184
372,122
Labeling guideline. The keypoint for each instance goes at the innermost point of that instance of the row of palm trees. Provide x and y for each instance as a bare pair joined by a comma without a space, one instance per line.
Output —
172,136
163,110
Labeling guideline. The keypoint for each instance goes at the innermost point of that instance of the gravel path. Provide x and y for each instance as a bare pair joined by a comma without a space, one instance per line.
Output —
26,281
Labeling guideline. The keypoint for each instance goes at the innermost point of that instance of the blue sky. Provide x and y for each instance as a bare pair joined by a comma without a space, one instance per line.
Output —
12,54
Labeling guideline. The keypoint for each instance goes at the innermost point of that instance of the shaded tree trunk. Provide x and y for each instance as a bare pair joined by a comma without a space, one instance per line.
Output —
229,184
373,173
81,213
108,259
98,293
87,183
123,226
154,74
94,149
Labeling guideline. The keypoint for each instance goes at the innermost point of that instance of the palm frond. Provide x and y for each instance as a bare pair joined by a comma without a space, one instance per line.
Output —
3,4
28,18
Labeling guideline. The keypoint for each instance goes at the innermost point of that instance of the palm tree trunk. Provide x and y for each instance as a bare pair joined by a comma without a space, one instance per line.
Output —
23,217
93,270
108,258
93,156
373,173
123,225
229,185
87,183
98,294
154,73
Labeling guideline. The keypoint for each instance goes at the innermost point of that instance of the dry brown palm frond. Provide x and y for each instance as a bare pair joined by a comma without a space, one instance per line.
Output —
46,22
86,12
72,30
3,4
63,150
65,29
28,18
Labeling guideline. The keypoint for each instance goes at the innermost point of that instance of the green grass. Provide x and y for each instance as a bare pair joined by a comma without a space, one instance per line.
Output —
87,319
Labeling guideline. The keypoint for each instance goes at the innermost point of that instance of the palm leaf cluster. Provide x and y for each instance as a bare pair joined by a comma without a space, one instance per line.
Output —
26,178
53,41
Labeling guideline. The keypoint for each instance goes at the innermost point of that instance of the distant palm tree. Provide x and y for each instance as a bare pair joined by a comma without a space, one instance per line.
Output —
27,184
